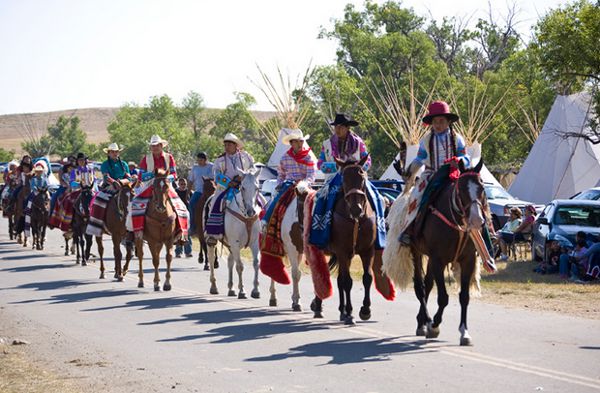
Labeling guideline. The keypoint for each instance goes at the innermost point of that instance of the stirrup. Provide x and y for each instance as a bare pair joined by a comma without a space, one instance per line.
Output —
211,241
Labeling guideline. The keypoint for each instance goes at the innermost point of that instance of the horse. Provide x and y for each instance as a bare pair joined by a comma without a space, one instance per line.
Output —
209,188
444,239
81,217
19,213
116,213
293,242
353,231
242,228
160,230
40,210
8,211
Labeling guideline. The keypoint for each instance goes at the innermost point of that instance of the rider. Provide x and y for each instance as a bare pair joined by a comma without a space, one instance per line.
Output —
227,173
158,158
435,149
83,173
201,170
64,178
297,163
10,181
38,183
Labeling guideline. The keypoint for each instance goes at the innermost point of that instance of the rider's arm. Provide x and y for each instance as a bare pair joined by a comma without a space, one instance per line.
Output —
364,153
143,167
105,174
310,173
461,151
172,166
281,171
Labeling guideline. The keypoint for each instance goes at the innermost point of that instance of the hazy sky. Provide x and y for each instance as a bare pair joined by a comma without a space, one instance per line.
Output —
65,54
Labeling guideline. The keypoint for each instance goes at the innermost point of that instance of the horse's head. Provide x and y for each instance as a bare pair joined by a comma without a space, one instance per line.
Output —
354,179
85,198
470,195
249,188
160,193
209,185
42,200
125,193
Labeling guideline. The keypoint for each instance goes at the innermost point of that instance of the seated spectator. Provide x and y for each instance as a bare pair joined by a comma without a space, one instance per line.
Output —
506,235
566,258
592,256
550,265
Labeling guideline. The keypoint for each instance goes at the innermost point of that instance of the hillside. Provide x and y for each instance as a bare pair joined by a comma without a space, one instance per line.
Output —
16,128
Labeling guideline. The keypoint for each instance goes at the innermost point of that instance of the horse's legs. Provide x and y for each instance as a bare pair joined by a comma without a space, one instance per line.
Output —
230,264
43,231
422,294
118,257
66,244
316,306
89,240
100,247
273,298
200,253
155,251
212,250
139,250
239,267
295,259
465,281
437,267
129,248
76,243
255,294
345,285
204,248
367,260
169,258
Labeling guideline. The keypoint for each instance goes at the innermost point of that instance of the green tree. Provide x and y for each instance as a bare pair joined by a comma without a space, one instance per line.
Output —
6,155
235,117
64,137
193,112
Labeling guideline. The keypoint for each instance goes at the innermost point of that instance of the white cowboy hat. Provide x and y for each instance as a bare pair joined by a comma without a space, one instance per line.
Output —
156,140
293,135
113,147
229,137
39,167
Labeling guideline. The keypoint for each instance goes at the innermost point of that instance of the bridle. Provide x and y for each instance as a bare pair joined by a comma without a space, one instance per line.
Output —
356,190
248,220
158,198
122,206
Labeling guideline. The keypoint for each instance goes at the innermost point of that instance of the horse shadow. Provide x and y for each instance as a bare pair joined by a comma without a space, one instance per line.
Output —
21,257
348,351
218,316
254,331
66,298
31,268
156,303
52,285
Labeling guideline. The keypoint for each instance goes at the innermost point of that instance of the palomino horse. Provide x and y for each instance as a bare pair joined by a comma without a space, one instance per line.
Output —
116,213
293,242
40,210
81,217
160,229
242,228
353,231
208,190
445,239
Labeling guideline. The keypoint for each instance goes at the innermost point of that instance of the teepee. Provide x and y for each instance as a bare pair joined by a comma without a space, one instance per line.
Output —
561,162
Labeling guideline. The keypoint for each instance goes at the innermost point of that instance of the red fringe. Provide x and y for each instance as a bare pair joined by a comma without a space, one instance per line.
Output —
382,283
272,266
315,258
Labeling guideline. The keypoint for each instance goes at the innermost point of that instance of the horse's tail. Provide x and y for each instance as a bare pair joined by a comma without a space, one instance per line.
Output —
315,257
333,263
397,259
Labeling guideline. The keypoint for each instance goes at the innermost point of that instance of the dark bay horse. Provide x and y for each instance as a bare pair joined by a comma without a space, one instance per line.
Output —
40,211
160,229
353,231
444,239
209,188
19,213
81,217
116,213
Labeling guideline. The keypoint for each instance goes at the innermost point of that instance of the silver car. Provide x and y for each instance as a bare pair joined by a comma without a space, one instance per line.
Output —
501,202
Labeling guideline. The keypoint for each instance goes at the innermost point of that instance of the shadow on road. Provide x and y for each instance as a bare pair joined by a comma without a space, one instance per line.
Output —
51,285
28,256
81,296
354,350
218,316
156,303
30,268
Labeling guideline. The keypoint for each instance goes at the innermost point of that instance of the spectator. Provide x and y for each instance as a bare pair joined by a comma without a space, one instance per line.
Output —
203,169
579,262
507,234
184,195
550,265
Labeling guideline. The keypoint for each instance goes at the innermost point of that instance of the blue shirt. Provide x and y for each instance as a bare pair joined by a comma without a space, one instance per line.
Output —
197,173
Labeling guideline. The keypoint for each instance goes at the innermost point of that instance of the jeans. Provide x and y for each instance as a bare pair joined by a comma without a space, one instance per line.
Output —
187,247
55,196
563,265
193,200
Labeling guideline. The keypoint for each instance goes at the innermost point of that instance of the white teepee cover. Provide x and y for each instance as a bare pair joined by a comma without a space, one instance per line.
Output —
281,149
411,152
559,167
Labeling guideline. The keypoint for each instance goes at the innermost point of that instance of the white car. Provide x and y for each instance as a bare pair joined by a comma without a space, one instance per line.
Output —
501,201
592,194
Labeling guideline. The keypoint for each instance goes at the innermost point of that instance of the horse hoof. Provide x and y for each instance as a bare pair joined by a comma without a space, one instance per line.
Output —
167,287
156,288
296,307
466,341
364,315
213,291
255,294
421,331
216,264
433,332
83,263
124,272
116,275
231,292
343,316
140,285
318,314
272,302
120,279
206,267
242,295
313,306
349,321
101,276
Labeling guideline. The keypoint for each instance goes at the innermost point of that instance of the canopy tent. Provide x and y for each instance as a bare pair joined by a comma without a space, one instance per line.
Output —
281,149
474,152
559,166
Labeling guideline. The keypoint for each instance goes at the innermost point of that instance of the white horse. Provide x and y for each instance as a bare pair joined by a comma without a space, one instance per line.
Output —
291,234
242,228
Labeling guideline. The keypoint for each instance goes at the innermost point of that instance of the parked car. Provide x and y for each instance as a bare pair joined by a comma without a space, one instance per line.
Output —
501,202
560,220
592,194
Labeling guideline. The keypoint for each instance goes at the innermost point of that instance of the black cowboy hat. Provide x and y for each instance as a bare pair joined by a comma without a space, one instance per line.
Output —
344,120
81,156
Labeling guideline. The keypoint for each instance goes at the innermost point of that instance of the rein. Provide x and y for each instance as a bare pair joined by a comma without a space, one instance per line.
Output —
357,191
248,221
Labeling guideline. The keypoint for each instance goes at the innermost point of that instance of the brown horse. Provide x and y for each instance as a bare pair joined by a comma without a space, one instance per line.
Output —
208,189
353,231
116,213
160,229
444,238
81,217
40,210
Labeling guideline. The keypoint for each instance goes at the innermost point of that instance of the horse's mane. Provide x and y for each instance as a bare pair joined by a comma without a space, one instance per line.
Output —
160,172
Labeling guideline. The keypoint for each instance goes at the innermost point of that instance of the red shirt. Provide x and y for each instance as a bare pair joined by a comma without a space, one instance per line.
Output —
159,162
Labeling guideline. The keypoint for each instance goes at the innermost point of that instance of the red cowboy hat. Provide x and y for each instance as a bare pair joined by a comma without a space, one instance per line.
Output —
439,108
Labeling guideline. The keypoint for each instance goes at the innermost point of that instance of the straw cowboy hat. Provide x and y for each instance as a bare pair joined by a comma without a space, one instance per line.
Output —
113,147
156,140
294,135
232,138
439,108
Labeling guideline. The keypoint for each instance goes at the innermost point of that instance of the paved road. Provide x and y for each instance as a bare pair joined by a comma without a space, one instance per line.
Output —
112,336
